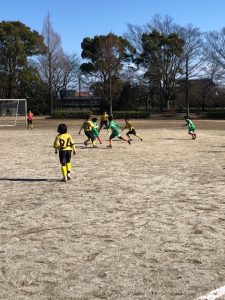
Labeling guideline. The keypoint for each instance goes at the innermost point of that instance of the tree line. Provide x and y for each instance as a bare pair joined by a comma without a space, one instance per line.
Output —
156,66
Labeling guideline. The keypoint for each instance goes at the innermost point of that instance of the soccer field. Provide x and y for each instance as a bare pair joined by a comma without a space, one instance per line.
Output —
139,221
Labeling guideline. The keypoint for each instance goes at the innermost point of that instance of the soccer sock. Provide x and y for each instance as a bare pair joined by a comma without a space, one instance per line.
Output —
128,136
68,167
64,171
138,136
99,139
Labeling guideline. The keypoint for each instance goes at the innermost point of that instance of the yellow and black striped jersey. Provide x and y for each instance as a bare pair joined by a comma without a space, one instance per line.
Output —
64,142
104,117
129,126
87,126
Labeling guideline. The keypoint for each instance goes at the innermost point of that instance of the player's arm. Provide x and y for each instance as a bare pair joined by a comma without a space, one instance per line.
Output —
82,126
56,144
73,146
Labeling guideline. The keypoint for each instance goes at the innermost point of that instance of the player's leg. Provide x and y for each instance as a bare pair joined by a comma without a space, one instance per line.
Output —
122,138
137,135
110,140
88,138
68,164
62,159
128,135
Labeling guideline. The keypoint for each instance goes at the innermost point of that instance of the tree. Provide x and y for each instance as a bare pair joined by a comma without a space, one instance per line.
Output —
192,56
57,69
106,56
161,59
17,44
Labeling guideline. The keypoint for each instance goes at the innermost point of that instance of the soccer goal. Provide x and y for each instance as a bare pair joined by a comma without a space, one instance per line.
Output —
13,112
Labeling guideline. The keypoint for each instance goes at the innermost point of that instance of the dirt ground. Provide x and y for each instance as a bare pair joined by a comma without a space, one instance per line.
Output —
139,221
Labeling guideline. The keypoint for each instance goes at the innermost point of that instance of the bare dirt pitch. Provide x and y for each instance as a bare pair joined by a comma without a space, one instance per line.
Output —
145,221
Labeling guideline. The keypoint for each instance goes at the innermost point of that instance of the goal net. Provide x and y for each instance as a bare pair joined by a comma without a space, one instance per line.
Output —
13,112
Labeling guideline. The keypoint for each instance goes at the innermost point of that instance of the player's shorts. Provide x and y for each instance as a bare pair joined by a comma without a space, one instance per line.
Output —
90,135
103,123
133,131
65,157
113,135
191,128
29,122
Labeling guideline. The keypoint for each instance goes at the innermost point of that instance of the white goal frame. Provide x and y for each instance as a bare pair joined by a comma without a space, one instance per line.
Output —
17,110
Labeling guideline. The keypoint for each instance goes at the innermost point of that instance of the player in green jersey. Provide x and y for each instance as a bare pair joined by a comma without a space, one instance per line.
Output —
95,130
191,127
115,129
65,145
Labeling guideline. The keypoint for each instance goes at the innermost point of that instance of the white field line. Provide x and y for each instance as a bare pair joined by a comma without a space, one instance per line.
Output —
214,294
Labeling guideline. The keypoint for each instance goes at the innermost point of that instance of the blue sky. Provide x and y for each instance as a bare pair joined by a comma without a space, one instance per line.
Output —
76,19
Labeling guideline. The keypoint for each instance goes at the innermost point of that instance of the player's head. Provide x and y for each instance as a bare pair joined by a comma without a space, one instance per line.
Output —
126,119
62,128
87,117
94,119
110,118
185,117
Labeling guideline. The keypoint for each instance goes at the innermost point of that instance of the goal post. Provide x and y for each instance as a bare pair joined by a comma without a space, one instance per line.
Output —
13,112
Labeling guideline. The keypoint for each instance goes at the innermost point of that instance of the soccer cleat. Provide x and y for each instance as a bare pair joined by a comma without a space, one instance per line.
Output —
68,176
85,143
129,142
109,146
141,139
64,179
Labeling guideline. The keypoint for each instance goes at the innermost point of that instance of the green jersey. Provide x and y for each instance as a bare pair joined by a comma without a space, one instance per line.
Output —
115,128
190,124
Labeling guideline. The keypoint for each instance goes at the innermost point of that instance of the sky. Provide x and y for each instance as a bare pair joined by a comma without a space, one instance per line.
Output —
75,19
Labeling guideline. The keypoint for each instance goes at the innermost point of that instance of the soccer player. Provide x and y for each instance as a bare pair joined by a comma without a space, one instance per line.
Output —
191,127
115,128
95,129
30,117
64,144
104,120
88,130
131,129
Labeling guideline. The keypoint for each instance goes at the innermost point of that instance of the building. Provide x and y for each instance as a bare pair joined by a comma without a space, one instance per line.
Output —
79,100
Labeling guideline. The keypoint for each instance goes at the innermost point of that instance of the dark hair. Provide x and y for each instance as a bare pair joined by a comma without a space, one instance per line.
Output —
87,117
62,128
94,119
110,118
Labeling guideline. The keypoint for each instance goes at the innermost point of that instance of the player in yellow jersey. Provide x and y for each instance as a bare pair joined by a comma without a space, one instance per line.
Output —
88,127
130,127
64,144
104,118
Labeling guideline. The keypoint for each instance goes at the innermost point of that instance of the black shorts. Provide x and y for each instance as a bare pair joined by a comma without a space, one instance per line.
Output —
65,157
90,135
103,123
133,131
29,122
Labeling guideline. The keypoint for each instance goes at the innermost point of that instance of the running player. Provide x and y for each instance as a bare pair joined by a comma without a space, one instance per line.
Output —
115,128
191,127
88,130
104,121
95,130
64,144
131,129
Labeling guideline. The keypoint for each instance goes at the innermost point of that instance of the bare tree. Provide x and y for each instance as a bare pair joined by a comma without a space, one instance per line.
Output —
56,68
192,58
